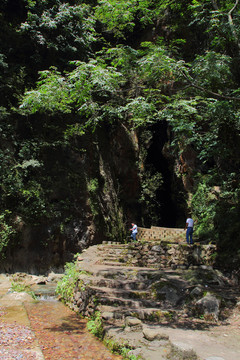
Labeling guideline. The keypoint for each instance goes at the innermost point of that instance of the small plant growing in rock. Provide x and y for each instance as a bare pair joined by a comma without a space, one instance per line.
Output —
95,325
125,354
21,287
65,287
122,349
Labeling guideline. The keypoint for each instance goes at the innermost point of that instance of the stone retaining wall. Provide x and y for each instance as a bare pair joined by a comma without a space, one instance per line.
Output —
161,233
161,254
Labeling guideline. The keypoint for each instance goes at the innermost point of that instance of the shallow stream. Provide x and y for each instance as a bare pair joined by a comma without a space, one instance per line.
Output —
45,329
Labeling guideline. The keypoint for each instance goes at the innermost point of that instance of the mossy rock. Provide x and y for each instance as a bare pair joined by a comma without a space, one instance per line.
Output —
166,291
202,276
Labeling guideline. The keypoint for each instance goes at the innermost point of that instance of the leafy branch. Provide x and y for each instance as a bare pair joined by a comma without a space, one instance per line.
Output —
191,83
230,20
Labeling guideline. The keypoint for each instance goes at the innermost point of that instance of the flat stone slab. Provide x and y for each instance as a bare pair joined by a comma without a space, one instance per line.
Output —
183,346
132,321
155,350
154,333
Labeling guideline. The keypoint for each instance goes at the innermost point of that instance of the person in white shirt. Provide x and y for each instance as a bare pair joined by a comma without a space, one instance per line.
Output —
189,232
134,231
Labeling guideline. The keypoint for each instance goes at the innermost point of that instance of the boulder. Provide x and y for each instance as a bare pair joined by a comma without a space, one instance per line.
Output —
157,248
169,294
209,305
107,315
133,324
132,321
197,291
154,333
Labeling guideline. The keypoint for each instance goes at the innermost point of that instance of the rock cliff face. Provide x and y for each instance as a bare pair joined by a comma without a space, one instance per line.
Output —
94,193
94,189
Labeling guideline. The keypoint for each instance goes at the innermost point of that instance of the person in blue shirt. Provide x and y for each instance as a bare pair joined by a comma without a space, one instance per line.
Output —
134,231
189,232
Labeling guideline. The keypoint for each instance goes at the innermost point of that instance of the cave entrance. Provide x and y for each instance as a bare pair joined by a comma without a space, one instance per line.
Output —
171,196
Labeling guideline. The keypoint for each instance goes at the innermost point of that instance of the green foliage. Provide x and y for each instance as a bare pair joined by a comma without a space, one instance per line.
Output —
119,17
93,189
121,349
93,185
181,114
95,325
21,287
121,57
213,71
116,15
204,207
93,80
156,66
51,97
7,231
18,182
213,18
141,112
86,90
65,287
60,27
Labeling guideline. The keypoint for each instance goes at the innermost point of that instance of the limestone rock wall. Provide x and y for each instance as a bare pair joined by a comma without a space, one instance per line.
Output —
90,186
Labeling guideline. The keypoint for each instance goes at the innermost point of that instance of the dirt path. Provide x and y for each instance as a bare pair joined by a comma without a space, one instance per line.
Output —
46,330
217,342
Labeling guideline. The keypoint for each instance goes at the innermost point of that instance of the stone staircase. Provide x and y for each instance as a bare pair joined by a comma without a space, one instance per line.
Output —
126,292
156,285
142,280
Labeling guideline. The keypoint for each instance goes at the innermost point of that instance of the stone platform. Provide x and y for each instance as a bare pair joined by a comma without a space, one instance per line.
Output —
161,233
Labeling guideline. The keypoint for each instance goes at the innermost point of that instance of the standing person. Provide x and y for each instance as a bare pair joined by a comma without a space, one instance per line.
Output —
189,232
134,231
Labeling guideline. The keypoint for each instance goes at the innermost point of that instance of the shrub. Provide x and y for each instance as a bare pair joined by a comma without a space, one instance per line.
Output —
65,287
95,325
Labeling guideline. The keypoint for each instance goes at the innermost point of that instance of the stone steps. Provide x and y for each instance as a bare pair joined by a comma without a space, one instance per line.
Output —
124,289
112,252
150,313
120,284
116,247
171,295
110,257
132,294
126,272
126,302
116,263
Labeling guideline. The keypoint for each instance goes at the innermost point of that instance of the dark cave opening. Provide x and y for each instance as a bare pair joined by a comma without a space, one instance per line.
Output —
171,195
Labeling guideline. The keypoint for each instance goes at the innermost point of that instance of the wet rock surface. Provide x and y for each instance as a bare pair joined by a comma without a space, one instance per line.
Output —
62,334
43,330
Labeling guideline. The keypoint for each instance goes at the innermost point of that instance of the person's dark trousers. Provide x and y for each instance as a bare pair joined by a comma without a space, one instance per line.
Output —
189,235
